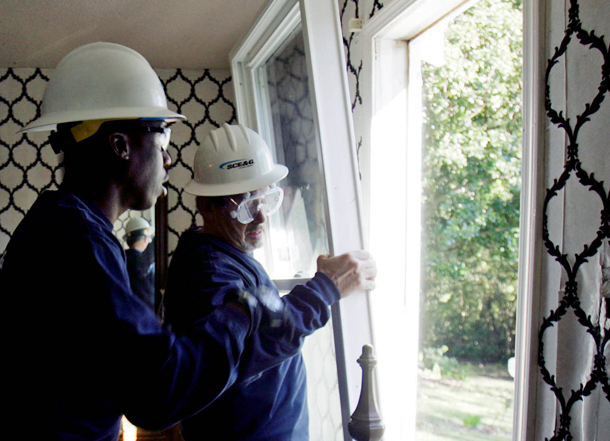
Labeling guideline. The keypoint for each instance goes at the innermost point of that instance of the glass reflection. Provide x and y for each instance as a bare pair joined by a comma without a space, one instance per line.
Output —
298,232
135,230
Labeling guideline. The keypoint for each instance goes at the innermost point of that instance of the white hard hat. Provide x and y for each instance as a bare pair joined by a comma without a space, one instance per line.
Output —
233,160
136,224
102,81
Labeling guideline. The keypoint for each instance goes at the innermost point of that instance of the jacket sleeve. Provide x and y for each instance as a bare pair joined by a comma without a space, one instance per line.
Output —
309,304
200,279
157,378
305,309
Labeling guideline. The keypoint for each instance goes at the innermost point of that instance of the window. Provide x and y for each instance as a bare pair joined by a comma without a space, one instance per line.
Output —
306,118
403,43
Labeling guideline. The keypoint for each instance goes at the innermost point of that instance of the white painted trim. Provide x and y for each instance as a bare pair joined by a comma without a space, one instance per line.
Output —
405,19
256,44
532,198
332,113
284,27
261,29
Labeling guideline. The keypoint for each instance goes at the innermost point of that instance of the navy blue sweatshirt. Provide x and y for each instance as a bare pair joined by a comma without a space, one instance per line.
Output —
271,406
81,350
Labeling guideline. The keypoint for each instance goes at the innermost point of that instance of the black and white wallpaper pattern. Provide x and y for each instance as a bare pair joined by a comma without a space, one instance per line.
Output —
29,166
207,101
580,320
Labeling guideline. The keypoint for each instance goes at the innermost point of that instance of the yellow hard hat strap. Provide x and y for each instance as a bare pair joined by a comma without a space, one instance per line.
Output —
86,129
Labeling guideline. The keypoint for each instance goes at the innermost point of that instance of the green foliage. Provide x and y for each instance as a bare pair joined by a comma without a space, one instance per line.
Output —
435,360
471,420
471,185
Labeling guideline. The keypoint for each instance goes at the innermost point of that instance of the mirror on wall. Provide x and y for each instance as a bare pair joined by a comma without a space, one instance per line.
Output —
143,236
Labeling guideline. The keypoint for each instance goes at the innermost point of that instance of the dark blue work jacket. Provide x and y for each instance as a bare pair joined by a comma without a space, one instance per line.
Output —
271,406
141,270
80,350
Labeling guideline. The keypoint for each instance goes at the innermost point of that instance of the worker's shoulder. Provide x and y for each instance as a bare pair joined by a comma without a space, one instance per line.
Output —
66,213
201,252
194,244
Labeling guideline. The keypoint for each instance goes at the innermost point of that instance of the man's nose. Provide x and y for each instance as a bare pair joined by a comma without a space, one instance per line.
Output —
167,159
260,217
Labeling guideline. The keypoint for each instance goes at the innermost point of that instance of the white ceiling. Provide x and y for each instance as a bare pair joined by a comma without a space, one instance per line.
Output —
189,34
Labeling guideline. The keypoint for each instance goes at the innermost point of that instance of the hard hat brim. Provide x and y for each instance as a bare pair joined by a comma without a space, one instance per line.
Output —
50,121
278,173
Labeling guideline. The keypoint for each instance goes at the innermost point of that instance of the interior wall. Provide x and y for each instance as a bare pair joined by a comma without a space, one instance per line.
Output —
364,10
29,166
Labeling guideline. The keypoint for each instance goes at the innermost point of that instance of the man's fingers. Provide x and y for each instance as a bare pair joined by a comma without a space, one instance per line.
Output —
369,285
370,272
353,271
361,254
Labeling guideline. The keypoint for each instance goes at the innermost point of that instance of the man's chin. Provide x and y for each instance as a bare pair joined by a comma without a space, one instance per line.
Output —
252,245
162,192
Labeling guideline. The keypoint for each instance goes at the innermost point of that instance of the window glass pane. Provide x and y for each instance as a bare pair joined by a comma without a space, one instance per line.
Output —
469,68
297,234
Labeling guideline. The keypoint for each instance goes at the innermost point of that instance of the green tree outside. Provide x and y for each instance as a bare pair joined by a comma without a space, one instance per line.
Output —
471,184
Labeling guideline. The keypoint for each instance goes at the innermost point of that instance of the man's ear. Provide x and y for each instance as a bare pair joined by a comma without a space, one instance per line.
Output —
120,145
203,204
208,209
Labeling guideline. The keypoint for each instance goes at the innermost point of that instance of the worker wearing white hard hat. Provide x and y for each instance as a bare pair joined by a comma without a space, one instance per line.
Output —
236,187
105,90
138,226
82,349
140,259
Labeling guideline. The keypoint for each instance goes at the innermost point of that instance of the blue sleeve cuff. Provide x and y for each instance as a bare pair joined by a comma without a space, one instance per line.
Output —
325,286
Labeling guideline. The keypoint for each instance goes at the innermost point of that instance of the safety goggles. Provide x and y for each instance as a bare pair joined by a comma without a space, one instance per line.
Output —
165,133
247,208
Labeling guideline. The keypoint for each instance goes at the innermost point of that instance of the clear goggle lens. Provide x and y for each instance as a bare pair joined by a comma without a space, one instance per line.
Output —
165,134
267,202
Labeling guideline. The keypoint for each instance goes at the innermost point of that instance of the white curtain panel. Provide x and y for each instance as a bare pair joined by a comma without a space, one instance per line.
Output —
573,391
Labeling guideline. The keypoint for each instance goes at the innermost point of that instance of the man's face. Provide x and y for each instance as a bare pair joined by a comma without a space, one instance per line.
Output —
148,164
244,237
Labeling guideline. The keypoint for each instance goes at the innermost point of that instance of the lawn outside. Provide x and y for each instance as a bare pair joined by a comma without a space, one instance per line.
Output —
476,408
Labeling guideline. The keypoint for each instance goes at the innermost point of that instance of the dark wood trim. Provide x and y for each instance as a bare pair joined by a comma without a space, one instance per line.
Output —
161,253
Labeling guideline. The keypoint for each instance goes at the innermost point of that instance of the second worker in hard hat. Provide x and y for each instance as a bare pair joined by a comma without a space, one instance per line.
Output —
141,259
235,184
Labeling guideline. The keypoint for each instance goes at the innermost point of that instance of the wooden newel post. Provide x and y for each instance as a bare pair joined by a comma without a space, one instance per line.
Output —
365,423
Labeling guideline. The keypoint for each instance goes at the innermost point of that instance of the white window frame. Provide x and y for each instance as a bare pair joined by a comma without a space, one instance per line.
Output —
338,157
401,20
530,229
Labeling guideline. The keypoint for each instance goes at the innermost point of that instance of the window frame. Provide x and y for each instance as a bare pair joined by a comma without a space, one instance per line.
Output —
332,114
414,16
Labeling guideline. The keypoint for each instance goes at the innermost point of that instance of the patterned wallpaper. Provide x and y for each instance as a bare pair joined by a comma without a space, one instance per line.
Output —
29,166
348,9
206,99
